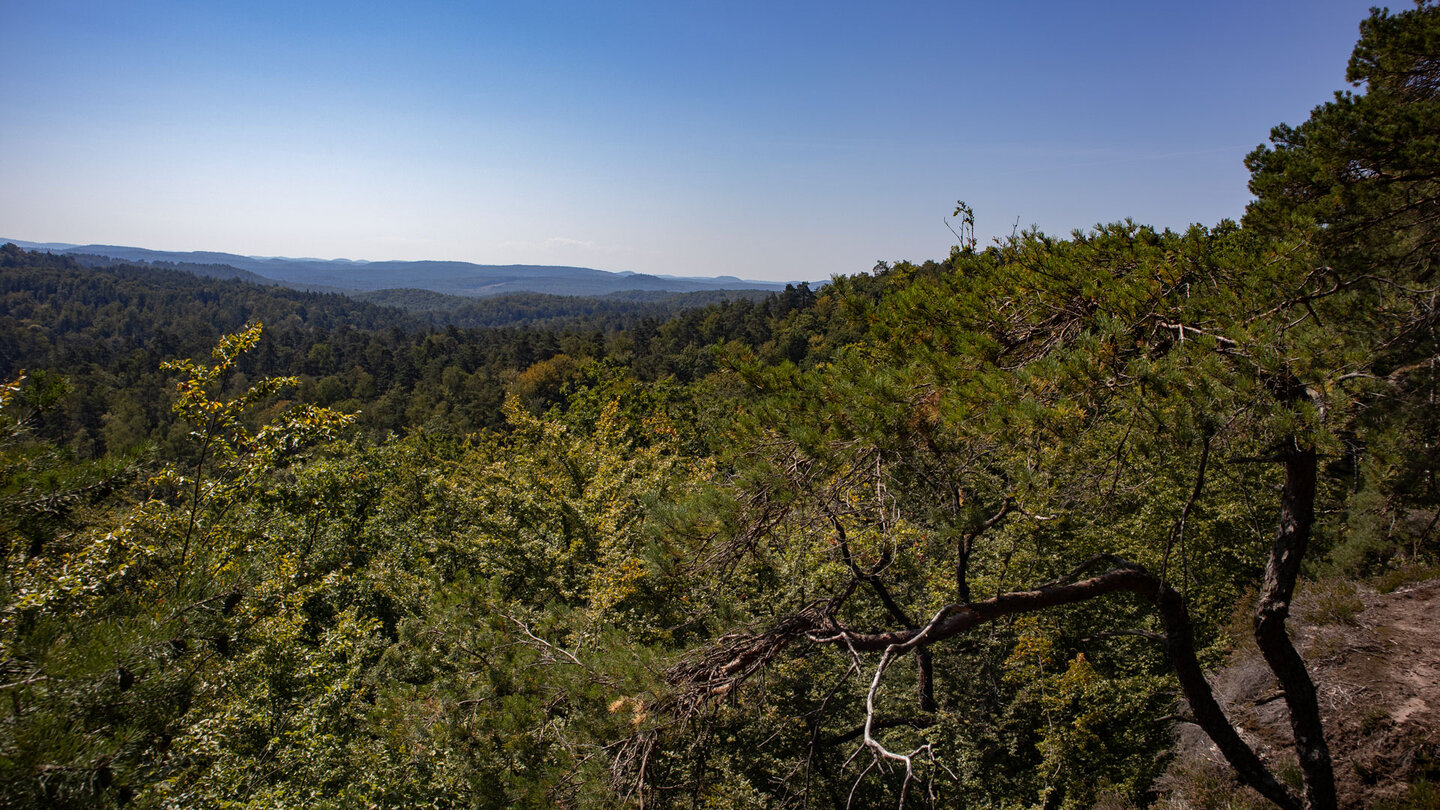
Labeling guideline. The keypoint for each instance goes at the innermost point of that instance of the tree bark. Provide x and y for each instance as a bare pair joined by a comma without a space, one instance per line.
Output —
1297,514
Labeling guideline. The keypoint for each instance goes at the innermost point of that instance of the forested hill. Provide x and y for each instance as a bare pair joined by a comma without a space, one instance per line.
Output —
439,359
976,532
605,312
454,278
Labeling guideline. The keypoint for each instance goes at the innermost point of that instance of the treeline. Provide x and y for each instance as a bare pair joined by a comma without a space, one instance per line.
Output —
107,329
607,313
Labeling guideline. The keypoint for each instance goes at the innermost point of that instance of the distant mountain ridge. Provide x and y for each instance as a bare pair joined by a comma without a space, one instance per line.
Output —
449,277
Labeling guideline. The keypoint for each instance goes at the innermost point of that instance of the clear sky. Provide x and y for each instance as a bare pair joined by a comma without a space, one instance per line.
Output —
772,140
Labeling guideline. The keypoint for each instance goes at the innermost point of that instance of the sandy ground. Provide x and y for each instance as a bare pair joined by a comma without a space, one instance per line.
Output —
1375,659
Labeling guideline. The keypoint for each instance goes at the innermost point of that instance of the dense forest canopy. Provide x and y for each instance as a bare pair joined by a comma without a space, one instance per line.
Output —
964,533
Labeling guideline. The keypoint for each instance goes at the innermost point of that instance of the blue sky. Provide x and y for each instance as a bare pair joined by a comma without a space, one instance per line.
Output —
775,140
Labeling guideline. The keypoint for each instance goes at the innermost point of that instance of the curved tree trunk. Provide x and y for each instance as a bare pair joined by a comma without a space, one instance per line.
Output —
1297,513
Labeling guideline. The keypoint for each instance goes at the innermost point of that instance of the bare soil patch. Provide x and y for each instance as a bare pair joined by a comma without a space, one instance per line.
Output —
1375,659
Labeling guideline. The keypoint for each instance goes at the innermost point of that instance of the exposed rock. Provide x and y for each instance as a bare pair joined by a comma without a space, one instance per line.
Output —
1375,659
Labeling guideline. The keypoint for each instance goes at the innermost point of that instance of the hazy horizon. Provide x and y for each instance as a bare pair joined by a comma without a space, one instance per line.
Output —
749,140
30,244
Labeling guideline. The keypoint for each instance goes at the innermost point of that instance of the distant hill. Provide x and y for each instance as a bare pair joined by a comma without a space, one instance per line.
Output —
451,278
410,309
223,271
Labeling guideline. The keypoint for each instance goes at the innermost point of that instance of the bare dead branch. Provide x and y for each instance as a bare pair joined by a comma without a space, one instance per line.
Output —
738,657
1177,534
524,628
